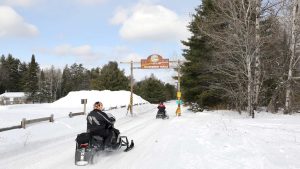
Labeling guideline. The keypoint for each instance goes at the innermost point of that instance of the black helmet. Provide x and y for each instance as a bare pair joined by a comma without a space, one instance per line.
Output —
98,105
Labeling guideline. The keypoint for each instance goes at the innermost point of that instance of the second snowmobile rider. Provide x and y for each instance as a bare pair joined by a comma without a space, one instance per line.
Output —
162,108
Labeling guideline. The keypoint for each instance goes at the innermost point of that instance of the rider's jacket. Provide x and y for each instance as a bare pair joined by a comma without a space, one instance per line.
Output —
161,107
97,120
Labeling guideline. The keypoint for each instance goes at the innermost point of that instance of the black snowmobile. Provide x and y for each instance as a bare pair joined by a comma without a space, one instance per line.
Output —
162,115
88,146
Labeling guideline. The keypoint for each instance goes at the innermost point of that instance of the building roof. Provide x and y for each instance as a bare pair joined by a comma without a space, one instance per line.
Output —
13,94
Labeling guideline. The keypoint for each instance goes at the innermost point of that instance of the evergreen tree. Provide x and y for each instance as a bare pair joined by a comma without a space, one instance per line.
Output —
80,77
66,85
197,77
23,69
94,77
75,78
170,92
10,76
3,74
151,89
111,78
12,65
31,85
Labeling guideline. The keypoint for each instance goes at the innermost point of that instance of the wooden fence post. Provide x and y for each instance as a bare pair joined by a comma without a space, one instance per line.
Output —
51,118
23,123
84,102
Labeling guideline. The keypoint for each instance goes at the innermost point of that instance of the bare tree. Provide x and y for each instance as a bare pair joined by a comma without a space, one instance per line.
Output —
53,79
234,28
293,59
257,73
231,27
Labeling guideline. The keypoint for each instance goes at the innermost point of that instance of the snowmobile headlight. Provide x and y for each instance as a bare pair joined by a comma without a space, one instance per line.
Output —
82,163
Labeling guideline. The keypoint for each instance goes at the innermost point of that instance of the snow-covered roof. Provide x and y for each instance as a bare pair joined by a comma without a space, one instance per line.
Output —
13,94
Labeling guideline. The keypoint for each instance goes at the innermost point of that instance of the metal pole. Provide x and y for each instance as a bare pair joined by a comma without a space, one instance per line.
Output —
178,111
131,87
179,75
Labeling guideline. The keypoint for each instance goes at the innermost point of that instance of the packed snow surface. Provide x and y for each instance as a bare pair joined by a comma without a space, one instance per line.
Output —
204,140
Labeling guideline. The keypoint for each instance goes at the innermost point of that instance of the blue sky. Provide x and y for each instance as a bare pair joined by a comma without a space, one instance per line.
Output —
93,32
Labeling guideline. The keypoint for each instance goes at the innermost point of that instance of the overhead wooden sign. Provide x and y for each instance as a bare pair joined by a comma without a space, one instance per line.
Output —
154,61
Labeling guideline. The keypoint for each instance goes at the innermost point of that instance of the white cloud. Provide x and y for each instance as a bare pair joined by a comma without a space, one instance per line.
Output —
91,2
13,25
120,16
150,22
67,50
83,53
22,3
31,3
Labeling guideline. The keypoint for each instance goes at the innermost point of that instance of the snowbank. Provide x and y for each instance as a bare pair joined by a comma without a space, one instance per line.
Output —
107,97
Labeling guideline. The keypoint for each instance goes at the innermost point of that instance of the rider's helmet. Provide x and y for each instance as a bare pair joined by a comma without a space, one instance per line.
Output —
98,105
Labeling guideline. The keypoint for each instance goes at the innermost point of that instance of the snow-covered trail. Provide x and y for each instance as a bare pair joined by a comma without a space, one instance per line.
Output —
152,138
58,152
218,140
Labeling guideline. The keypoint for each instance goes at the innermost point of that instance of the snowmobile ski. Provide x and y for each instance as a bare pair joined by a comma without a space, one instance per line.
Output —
130,147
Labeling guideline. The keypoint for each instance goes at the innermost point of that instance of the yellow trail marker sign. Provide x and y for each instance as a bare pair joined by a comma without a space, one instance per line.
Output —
178,94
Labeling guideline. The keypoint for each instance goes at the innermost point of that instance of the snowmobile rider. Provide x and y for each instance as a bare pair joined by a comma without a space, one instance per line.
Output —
162,108
98,123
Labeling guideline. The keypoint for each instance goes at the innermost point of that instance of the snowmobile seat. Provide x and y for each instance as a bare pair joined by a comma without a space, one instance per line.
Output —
98,138
83,138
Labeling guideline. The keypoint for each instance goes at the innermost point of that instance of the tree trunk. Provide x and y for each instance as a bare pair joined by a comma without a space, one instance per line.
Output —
257,69
249,87
273,105
288,99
